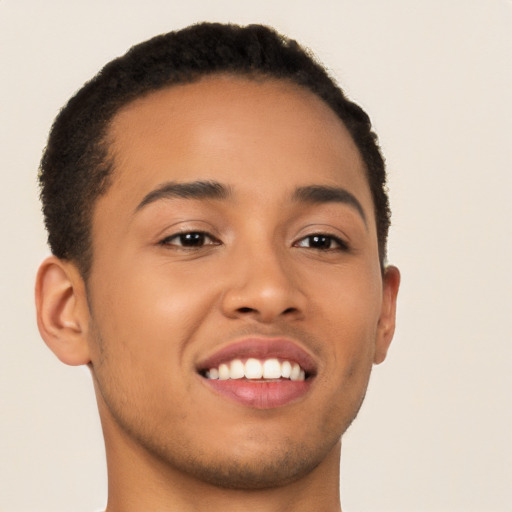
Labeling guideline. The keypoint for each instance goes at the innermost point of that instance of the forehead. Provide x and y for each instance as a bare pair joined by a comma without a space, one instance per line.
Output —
266,136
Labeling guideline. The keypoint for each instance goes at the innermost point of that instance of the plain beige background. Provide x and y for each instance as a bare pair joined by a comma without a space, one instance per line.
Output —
436,77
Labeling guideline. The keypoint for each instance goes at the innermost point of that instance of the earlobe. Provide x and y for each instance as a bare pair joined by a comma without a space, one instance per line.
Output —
386,326
62,311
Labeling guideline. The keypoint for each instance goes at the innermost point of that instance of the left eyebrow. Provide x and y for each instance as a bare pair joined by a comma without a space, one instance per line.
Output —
188,190
318,194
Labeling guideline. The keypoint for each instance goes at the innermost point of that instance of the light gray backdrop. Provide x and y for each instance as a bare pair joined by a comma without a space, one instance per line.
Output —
436,76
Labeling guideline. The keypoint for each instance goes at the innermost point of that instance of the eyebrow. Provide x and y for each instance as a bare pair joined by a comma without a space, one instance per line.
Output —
318,194
207,189
190,190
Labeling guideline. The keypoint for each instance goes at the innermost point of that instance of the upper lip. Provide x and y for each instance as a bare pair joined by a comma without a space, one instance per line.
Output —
261,348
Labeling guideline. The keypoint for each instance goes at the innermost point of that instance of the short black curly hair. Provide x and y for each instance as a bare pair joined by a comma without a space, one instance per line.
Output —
75,167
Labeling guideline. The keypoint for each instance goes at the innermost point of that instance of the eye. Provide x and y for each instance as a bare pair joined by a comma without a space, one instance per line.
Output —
191,239
322,242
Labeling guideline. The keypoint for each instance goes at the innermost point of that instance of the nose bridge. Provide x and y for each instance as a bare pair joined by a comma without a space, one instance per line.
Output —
262,281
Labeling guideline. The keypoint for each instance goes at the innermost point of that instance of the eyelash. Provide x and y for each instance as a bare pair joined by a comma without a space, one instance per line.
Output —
322,238
201,236
192,236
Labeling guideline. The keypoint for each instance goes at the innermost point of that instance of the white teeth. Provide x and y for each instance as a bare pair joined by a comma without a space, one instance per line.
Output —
256,369
271,369
295,374
253,369
223,372
236,369
286,369
213,373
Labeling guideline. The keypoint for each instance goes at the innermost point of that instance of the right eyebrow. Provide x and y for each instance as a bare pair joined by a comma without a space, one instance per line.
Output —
188,190
318,194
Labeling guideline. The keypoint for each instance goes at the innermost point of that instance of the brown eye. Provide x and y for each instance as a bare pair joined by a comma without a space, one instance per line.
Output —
322,242
193,239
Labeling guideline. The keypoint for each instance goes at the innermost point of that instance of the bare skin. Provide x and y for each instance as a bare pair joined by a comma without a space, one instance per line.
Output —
176,279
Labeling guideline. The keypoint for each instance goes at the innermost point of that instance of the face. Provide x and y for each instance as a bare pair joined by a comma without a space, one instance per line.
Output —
237,237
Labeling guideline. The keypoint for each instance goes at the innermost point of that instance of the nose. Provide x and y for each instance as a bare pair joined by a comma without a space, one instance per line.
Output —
263,285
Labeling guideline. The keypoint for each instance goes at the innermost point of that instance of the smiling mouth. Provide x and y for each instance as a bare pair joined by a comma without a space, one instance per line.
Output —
257,370
260,373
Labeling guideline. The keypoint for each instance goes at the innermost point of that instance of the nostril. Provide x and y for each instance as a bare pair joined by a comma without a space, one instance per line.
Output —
246,309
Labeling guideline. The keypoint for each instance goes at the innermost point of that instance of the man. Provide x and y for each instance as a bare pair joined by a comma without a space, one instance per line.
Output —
217,214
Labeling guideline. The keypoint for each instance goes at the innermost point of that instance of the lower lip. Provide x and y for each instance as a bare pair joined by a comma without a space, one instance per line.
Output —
260,394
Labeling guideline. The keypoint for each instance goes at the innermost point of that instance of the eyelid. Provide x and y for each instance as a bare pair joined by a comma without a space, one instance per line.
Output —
322,229
165,241
183,226
342,245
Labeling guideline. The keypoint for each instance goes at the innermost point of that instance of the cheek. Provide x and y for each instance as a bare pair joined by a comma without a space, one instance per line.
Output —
348,304
345,381
143,324
347,315
139,360
152,303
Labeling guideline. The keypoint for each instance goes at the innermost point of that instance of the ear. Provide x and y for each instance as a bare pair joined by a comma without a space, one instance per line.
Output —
62,310
386,325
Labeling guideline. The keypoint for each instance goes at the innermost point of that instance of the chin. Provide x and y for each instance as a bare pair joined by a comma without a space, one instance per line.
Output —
255,473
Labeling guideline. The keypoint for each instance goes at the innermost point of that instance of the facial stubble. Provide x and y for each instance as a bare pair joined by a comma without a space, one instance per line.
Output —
272,465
